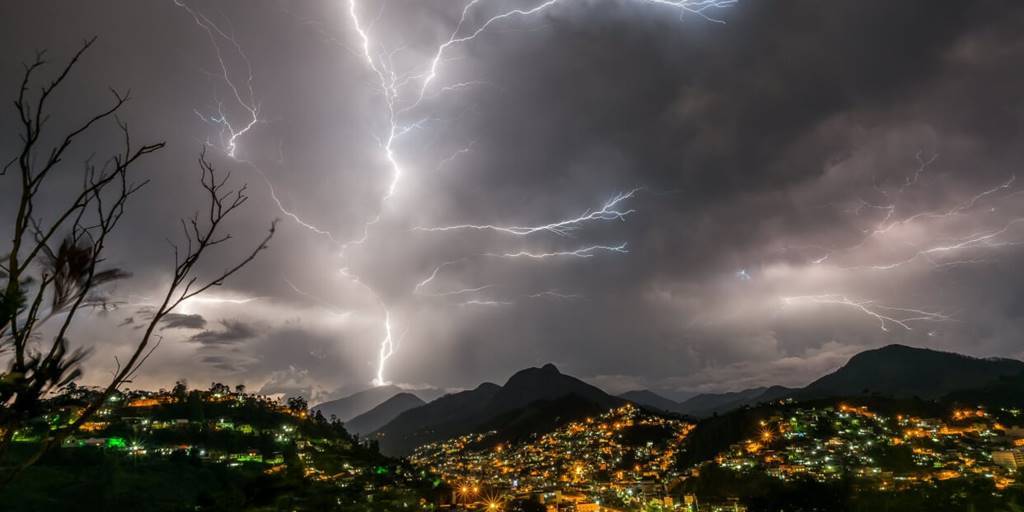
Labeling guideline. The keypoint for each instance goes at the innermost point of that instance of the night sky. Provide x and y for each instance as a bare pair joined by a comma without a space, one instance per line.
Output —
759,192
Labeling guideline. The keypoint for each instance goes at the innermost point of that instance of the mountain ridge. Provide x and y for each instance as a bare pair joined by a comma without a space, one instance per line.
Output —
462,413
380,415
894,371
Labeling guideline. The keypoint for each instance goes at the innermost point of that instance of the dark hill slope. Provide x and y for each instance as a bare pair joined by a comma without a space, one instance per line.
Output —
379,416
471,411
902,372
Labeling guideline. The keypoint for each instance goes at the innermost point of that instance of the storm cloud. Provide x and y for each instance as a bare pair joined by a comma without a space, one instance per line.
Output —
181,321
232,331
811,179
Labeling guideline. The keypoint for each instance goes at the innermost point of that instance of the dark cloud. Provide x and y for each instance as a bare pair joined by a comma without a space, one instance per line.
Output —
233,331
181,321
223,363
773,144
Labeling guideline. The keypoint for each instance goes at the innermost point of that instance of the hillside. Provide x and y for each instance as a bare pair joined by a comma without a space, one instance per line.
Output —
648,398
902,372
710,404
355,404
468,411
379,416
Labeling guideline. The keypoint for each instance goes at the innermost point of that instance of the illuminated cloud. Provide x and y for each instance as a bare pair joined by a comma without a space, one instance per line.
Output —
776,161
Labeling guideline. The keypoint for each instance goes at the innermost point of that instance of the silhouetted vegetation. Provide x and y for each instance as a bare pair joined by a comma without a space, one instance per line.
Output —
209,450
54,265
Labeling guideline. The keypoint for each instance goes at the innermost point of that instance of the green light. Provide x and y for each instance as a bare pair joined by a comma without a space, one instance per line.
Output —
116,442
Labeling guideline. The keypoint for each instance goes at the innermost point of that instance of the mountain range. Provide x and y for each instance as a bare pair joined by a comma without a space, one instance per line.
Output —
470,411
894,371
379,416
541,399
351,406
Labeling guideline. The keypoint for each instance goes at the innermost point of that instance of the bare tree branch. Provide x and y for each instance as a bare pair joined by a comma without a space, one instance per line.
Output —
73,270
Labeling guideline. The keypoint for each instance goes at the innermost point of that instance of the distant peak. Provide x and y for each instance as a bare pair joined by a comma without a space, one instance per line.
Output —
405,395
526,375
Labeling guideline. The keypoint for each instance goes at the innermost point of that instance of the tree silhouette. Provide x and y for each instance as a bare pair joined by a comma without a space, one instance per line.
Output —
46,280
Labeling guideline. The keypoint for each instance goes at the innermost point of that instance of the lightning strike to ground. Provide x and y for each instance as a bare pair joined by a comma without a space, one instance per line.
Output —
392,87
391,84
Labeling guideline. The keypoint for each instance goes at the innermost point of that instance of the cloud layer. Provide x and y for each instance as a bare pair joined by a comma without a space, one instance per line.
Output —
812,180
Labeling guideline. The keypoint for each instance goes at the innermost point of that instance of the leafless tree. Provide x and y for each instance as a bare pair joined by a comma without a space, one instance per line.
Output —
54,268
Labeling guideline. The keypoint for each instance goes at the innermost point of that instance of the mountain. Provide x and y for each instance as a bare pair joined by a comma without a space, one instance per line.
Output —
709,404
545,383
358,403
538,417
1007,391
676,395
379,416
651,399
469,411
445,417
427,394
895,371
900,371
536,399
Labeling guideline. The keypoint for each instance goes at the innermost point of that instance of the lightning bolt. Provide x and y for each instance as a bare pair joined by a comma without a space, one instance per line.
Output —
231,136
583,252
554,294
387,349
462,291
697,7
392,84
404,93
975,240
934,250
885,315
475,302
608,211
545,294
246,101
456,154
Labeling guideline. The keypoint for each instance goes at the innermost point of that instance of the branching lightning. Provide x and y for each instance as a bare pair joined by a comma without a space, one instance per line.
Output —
583,252
392,84
984,239
403,93
248,102
609,211
931,252
230,135
937,253
477,302
554,294
455,155
885,315
462,291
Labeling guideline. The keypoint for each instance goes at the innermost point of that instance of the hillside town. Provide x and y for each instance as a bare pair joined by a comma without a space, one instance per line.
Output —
243,437
886,452
623,458
626,459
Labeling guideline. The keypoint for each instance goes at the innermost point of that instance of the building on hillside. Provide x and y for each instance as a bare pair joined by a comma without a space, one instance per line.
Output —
1010,459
